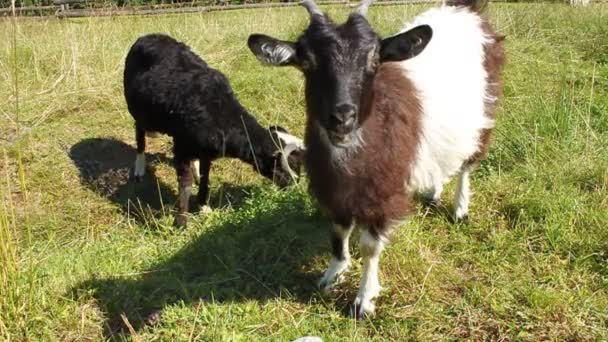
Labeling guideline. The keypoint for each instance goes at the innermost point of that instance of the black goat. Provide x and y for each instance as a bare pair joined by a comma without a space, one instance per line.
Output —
171,90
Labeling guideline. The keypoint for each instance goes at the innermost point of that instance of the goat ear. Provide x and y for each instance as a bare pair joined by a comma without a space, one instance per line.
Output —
405,45
272,51
295,160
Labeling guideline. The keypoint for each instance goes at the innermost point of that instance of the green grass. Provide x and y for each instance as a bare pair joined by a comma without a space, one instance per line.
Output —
86,255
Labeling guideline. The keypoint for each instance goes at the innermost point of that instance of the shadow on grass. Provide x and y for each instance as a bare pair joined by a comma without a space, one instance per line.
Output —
105,166
436,209
261,251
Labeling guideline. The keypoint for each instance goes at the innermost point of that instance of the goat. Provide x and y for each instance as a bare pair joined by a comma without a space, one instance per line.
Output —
387,118
171,90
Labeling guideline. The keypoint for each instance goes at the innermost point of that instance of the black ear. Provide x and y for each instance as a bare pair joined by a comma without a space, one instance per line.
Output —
295,160
272,51
405,45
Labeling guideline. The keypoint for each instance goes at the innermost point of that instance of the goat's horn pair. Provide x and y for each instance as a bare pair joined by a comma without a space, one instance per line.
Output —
313,9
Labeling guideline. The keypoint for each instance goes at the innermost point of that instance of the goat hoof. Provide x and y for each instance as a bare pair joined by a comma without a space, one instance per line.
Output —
205,209
363,308
153,318
464,219
180,221
326,284
334,274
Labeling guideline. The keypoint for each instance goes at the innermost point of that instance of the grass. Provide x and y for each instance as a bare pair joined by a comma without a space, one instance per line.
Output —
86,255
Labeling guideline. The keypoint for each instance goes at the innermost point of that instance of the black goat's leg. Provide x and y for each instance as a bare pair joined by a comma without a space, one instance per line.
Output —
184,180
140,159
203,187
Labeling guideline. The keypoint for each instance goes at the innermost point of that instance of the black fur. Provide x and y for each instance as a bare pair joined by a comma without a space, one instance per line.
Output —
169,89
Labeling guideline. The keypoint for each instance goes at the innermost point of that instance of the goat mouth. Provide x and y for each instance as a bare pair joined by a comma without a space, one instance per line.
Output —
339,139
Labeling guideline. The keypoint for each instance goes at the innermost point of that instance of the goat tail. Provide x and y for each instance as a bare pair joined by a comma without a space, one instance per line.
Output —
476,6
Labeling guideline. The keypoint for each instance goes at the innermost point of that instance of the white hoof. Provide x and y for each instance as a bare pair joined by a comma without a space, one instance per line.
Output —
140,167
363,307
333,274
364,302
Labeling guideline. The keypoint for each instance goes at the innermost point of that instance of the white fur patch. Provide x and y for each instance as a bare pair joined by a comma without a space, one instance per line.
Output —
337,267
290,139
371,248
140,165
462,194
278,55
196,170
452,85
333,273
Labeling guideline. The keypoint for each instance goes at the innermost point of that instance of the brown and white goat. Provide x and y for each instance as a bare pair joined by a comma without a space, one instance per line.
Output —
390,117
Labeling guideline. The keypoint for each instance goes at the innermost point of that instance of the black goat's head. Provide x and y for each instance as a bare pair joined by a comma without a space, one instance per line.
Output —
339,63
286,163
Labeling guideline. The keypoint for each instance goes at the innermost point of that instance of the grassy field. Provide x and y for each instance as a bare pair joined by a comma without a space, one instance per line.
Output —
87,255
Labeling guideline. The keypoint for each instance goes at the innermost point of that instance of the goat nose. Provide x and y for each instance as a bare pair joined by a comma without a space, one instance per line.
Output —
344,114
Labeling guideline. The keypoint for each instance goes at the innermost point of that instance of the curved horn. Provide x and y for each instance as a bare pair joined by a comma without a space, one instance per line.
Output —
285,164
311,7
291,144
363,7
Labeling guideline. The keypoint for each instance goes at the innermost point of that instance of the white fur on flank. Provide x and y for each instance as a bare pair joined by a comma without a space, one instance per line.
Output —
140,165
452,83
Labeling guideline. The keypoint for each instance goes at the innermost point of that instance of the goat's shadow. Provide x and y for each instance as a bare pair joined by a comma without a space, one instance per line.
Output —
253,254
262,250
105,166
441,209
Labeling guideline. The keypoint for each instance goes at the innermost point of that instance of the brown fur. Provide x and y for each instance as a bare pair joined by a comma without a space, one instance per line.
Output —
372,190
494,61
